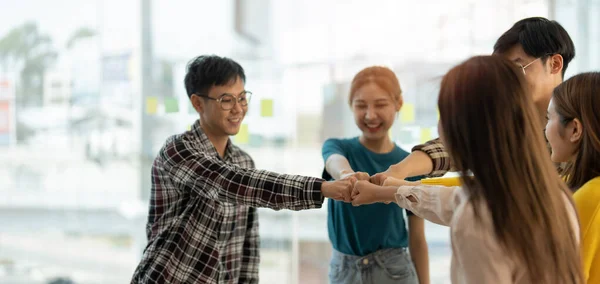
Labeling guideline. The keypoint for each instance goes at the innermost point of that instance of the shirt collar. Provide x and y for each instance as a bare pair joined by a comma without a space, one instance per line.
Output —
207,146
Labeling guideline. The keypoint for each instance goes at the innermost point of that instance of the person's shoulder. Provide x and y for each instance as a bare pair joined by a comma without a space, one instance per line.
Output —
344,142
341,140
587,198
178,148
590,189
400,151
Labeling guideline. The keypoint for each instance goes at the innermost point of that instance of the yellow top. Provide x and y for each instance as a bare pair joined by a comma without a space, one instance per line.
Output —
587,200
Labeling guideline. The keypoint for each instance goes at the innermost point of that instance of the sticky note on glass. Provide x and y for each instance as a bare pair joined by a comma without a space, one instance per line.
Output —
390,134
425,134
151,105
407,113
171,105
266,108
438,114
243,136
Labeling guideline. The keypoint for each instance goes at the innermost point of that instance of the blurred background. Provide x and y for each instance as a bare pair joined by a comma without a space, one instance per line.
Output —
89,90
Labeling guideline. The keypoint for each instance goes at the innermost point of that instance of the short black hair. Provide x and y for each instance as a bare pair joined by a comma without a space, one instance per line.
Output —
539,37
206,71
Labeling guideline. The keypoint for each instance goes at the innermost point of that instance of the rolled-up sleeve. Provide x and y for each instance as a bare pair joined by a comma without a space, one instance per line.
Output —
439,157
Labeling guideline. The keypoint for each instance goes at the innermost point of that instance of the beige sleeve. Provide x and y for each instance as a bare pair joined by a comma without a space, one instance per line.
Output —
433,203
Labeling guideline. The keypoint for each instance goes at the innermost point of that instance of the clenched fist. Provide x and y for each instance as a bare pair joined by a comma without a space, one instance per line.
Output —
379,178
357,175
365,192
339,190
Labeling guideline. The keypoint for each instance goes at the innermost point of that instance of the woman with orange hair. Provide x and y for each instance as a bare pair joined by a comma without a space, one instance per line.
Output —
370,242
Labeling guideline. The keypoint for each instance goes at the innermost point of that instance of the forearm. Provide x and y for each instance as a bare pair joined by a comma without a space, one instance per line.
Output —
418,248
416,164
386,194
216,180
419,254
436,151
433,203
337,165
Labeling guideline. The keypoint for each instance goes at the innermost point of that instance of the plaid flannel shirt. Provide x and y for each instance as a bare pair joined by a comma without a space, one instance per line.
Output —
442,162
440,158
202,225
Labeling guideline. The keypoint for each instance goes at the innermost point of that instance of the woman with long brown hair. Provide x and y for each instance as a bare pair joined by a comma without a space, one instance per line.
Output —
573,131
512,221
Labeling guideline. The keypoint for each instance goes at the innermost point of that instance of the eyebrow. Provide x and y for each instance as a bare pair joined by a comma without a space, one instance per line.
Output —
233,94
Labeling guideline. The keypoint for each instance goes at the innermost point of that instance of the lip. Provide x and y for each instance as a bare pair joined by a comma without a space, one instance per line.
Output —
374,129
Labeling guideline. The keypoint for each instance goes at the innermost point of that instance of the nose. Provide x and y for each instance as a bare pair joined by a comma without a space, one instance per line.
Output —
237,107
370,113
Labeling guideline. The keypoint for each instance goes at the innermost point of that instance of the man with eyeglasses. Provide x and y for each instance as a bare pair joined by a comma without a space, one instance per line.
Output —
202,224
542,49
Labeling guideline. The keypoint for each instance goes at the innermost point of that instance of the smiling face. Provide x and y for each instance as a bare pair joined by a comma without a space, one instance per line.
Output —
564,137
216,121
374,111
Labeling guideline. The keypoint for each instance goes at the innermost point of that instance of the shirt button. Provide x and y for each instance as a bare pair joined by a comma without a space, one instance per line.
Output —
365,261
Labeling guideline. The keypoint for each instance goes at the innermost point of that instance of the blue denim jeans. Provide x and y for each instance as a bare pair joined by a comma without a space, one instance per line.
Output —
381,267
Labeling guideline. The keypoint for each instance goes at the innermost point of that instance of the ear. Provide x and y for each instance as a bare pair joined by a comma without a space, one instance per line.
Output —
399,105
576,131
556,64
197,103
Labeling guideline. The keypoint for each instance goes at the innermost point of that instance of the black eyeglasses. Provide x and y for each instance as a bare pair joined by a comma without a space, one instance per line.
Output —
228,101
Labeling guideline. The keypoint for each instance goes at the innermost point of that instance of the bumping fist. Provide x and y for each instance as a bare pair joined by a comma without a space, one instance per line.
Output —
339,190
365,192
378,179
357,175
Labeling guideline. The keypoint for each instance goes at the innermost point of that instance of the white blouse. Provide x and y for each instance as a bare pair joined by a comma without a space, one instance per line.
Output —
477,256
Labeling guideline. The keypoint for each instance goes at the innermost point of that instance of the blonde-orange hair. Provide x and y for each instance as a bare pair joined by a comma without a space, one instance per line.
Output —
383,77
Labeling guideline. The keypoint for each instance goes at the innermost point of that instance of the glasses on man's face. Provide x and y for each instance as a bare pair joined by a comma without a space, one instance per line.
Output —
228,101
527,65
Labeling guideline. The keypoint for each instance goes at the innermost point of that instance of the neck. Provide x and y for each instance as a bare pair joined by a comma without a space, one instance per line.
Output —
542,108
218,141
384,145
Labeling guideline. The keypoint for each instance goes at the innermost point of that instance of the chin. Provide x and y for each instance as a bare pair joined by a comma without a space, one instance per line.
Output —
374,136
232,132
555,159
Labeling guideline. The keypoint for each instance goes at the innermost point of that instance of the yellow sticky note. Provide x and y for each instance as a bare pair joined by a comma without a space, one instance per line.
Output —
151,105
266,108
407,113
390,134
243,136
425,134
438,114
189,127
